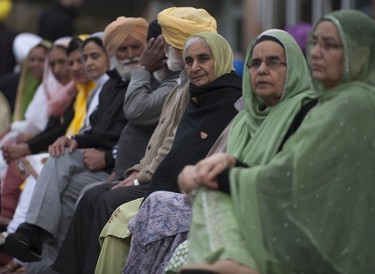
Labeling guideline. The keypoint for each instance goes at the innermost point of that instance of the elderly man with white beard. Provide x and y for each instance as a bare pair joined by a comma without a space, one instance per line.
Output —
97,204
67,170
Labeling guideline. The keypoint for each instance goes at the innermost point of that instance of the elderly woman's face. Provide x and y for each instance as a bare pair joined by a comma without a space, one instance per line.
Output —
268,71
199,63
327,55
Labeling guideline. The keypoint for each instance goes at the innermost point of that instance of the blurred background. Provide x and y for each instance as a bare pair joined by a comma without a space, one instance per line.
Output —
238,20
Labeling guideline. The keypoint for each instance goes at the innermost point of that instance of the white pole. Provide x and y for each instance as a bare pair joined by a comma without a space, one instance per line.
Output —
292,12
317,10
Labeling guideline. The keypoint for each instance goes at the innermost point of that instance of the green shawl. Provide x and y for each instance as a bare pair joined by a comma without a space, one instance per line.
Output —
312,208
255,137
257,132
27,86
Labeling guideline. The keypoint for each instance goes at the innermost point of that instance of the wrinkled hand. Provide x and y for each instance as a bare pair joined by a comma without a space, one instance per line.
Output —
58,147
188,179
94,159
205,172
211,167
127,181
15,151
153,57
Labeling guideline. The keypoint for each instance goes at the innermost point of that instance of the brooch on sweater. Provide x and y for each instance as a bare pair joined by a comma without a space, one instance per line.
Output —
204,135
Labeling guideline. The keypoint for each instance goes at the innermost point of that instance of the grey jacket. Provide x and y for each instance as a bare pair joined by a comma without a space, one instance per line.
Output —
162,139
143,104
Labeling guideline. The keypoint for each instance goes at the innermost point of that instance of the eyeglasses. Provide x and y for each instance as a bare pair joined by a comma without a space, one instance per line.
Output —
326,45
271,63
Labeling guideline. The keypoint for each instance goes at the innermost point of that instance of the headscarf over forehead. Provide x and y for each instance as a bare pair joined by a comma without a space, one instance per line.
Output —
247,139
357,33
116,32
221,51
179,23
297,76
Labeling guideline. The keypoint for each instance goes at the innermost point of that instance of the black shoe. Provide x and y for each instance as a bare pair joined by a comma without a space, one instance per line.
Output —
25,244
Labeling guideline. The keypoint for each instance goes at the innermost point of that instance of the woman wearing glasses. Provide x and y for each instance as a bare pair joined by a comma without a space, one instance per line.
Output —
311,208
277,96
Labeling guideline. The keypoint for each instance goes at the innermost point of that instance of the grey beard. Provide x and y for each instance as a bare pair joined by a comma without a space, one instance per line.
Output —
174,61
124,70
175,65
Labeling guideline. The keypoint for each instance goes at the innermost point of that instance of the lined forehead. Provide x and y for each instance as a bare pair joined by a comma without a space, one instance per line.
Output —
195,41
326,31
197,48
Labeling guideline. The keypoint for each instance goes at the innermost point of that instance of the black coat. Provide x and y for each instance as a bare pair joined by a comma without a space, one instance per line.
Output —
56,127
108,120
210,109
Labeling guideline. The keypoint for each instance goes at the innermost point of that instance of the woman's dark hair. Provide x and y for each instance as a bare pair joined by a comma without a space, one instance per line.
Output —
58,46
268,38
74,44
95,40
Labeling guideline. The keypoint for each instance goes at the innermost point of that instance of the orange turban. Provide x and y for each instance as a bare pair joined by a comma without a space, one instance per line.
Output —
178,24
116,32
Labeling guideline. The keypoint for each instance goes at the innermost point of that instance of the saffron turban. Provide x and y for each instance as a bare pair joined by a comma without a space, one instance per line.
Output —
178,24
117,31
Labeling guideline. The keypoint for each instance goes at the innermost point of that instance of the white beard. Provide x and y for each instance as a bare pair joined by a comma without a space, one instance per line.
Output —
125,67
174,61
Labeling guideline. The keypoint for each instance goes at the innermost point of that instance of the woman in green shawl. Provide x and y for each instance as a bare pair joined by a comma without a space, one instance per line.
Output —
277,96
311,208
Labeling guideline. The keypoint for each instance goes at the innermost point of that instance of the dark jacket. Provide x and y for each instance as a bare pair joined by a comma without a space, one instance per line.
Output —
108,120
210,109
56,127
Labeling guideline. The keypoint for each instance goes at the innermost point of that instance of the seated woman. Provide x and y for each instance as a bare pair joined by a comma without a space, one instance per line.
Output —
96,62
30,115
56,94
309,209
59,91
277,96
213,90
